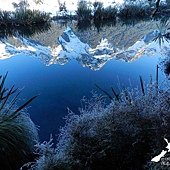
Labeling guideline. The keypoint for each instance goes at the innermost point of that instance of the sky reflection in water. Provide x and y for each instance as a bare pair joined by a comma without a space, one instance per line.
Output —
60,87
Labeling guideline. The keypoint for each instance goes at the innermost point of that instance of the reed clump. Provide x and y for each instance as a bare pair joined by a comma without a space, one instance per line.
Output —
18,134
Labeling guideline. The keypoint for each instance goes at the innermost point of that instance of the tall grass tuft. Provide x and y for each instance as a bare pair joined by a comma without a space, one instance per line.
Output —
18,134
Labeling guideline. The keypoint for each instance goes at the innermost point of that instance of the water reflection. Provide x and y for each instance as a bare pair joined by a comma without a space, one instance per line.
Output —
25,31
165,64
61,87
70,47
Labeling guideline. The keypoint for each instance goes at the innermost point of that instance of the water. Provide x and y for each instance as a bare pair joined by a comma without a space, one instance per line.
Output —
63,86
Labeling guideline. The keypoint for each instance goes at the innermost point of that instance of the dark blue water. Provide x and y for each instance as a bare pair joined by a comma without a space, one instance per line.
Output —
60,87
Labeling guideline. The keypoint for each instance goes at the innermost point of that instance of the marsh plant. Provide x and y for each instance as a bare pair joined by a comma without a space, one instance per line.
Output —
124,134
18,134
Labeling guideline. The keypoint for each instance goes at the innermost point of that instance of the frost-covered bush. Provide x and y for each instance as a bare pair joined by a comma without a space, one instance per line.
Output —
134,11
125,134
18,134
46,160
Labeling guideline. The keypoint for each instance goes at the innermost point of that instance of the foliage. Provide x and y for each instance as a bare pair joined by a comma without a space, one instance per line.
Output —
83,11
164,34
39,1
62,6
23,17
128,132
21,6
31,16
134,11
23,22
18,133
103,14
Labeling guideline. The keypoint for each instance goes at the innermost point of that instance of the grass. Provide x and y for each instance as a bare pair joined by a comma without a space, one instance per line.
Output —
18,134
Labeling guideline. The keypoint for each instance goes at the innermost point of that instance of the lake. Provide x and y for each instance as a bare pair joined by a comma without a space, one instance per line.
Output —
60,87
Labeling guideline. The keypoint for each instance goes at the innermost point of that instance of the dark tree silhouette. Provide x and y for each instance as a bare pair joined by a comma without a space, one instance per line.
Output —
157,7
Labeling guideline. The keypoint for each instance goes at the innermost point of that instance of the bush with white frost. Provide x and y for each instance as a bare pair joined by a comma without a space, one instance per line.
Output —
125,134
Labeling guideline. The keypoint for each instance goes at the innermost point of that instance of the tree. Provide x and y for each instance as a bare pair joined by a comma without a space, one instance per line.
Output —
62,6
83,11
22,5
168,2
157,7
39,2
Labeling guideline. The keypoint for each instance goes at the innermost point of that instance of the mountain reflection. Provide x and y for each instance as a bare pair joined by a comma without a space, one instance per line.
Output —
70,47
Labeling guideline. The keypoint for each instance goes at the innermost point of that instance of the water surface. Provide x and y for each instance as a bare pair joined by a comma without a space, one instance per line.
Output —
63,86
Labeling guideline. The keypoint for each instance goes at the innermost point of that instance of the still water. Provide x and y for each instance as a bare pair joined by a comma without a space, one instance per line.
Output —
63,86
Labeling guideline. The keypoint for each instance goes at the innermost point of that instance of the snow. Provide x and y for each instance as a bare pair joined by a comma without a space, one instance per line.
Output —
51,6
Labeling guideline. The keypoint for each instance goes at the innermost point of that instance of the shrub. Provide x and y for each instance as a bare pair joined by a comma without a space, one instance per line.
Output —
134,11
29,17
83,11
110,13
23,22
23,17
5,16
98,9
103,14
125,134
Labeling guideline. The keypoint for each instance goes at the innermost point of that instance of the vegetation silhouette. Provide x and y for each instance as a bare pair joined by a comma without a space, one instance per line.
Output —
23,22
18,133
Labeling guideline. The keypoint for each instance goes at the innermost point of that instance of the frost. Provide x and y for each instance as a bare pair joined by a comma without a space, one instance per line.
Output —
124,133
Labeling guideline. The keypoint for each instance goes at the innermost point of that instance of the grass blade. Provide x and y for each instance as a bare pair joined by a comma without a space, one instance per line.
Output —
157,75
105,92
23,106
115,94
142,85
2,82
11,91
